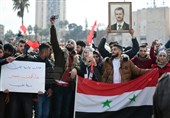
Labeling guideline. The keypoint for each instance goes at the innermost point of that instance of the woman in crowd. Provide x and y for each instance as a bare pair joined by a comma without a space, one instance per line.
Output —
99,61
88,66
162,62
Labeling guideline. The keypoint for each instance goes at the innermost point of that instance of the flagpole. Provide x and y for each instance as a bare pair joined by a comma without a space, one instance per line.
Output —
74,115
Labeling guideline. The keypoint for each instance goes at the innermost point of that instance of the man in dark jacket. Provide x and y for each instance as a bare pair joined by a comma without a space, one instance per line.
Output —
67,62
21,101
43,105
131,53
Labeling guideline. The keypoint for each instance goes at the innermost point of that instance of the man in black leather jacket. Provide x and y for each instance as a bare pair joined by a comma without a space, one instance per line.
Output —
131,52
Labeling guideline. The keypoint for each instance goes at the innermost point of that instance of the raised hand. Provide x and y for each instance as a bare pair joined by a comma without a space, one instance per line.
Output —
52,20
107,32
131,31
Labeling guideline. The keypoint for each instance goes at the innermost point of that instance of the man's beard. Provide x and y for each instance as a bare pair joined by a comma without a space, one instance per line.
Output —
81,51
114,56
70,49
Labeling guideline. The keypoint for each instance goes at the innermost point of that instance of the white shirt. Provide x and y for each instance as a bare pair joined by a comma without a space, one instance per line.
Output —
120,24
116,74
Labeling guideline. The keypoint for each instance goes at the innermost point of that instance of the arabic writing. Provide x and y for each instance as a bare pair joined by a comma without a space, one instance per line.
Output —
13,66
32,76
20,85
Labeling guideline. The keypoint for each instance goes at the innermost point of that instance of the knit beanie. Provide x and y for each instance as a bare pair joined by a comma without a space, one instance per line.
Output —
74,43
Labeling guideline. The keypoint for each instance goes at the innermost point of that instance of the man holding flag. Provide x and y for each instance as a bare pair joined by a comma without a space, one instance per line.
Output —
119,68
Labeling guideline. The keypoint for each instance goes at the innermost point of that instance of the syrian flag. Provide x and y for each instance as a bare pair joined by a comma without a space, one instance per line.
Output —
34,44
91,34
23,29
31,46
126,100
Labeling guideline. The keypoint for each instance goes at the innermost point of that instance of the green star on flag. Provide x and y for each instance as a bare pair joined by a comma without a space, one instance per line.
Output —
106,103
133,99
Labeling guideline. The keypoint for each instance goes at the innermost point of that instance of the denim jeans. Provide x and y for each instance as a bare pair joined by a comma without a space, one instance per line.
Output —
42,107
62,101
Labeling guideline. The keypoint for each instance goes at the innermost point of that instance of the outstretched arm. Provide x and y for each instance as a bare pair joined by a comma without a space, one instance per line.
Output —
135,46
137,71
101,45
54,42
152,52
53,38
6,60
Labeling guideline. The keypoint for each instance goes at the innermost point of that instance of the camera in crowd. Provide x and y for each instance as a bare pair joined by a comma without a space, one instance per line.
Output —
54,17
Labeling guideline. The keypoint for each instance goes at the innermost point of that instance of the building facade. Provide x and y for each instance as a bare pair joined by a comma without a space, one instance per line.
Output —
152,23
149,24
46,8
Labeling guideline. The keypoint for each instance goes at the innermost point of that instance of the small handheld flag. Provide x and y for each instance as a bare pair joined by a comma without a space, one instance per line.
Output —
90,36
23,29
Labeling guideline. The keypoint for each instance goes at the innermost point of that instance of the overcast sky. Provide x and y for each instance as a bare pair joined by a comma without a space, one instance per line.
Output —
76,11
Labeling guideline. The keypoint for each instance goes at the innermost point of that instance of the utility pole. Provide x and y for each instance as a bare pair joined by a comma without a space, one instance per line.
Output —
163,2
154,4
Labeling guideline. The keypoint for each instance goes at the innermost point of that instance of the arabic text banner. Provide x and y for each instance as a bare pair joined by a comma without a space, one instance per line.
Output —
22,76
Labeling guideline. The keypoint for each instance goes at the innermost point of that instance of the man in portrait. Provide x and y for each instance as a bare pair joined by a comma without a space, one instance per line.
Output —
120,24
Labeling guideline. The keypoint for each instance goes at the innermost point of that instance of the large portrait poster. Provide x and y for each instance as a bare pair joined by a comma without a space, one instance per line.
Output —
22,76
120,17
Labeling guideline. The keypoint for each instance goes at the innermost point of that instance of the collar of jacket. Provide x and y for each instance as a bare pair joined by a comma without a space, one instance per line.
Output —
123,59
66,57
40,59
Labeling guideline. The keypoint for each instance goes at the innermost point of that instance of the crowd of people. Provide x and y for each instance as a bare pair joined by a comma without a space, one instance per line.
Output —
64,64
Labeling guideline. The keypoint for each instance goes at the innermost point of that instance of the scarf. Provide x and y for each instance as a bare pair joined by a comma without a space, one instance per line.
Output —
161,65
66,75
89,69
142,58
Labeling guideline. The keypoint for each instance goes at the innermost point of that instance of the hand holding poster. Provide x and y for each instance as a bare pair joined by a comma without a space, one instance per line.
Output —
19,76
